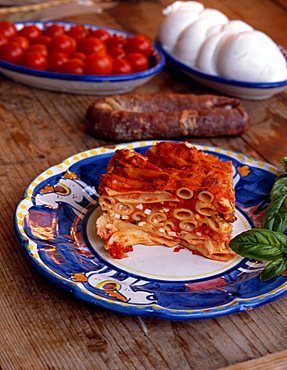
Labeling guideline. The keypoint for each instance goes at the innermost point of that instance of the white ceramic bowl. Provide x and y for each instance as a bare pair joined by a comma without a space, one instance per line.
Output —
82,84
240,89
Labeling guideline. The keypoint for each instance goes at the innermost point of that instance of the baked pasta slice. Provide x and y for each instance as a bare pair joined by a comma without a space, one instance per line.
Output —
174,195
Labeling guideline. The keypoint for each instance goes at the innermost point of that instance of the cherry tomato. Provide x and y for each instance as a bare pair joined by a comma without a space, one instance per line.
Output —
98,65
77,32
101,34
116,41
74,43
138,62
35,60
139,44
78,55
12,53
30,32
88,32
121,66
54,30
42,39
8,29
55,61
39,48
3,39
117,53
74,66
92,45
21,41
62,44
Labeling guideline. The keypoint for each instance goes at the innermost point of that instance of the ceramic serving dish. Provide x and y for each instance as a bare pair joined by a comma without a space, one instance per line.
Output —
82,84
55,222
240,89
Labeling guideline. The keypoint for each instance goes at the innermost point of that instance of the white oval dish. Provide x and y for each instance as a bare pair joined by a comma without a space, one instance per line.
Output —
82,84
240,89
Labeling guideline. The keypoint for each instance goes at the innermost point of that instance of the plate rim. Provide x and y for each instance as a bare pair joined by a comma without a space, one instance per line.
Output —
151,310
85,78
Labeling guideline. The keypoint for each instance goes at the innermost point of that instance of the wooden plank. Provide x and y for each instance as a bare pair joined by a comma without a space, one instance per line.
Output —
277,361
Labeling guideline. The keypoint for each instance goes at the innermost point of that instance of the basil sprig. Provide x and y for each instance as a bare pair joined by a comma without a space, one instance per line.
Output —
276,215
266,245
273,268
269,242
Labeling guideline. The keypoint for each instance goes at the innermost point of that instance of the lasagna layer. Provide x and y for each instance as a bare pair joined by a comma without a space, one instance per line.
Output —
174,195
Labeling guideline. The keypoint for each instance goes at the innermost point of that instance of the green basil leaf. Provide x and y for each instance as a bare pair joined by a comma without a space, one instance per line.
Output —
275,217
273,268
260,244
268,243
279,188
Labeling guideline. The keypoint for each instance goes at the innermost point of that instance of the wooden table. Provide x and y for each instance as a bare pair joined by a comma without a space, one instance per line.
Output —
43,327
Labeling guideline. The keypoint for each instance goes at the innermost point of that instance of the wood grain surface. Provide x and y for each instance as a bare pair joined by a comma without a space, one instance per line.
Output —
275,361
43,327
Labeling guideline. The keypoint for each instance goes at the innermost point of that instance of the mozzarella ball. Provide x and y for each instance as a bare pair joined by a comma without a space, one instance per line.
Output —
205,60
236,26
191,39
178,17
194,6
214,14
214,30
206,56
250,56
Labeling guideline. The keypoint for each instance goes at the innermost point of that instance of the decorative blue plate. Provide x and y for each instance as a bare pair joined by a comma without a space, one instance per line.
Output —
55,223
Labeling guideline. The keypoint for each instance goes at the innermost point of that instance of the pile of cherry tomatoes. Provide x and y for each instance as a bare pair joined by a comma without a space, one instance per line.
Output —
78,50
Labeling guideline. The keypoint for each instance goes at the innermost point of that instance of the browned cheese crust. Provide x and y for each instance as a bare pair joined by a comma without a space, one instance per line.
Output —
165,115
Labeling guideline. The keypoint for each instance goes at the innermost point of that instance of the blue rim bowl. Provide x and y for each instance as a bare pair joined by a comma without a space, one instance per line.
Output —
157,59
197,73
